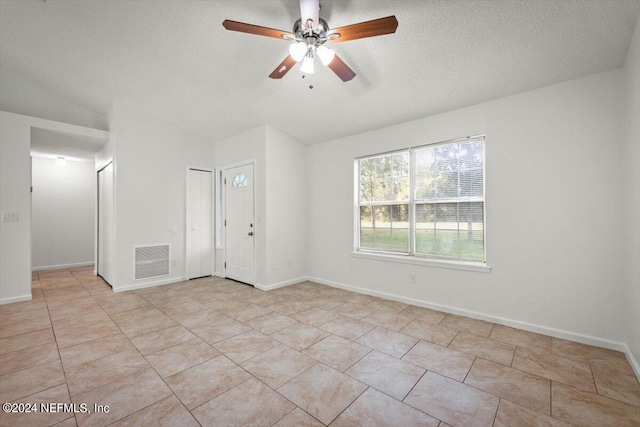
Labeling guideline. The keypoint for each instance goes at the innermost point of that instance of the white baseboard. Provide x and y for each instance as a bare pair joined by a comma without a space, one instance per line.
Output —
15,299
55,267
281,284
545,330
632,361
135,286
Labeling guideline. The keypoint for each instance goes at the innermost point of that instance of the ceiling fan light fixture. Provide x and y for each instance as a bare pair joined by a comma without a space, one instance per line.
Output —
312,31
307,64
325,54
297,51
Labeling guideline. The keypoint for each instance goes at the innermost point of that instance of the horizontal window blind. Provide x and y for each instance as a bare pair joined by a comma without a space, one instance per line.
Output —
424,201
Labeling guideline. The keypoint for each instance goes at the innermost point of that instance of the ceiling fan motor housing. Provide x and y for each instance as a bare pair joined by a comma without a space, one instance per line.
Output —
310,39
315,36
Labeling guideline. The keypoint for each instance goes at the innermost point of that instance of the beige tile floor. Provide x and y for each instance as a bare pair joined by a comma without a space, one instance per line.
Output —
220,353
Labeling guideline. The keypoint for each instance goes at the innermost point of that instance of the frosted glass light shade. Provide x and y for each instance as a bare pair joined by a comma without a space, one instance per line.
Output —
307,65
297,51
326,55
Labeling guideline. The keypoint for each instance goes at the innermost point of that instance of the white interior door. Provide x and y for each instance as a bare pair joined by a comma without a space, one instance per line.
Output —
105,223
200,223
240,224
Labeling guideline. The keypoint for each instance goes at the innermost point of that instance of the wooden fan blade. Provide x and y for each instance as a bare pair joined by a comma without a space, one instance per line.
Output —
341,69
310,9
256,29
283,68
377,27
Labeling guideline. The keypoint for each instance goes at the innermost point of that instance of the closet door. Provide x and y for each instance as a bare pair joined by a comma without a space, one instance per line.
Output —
199,223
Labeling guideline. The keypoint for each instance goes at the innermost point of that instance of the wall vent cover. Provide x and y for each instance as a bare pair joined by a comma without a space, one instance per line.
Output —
151,261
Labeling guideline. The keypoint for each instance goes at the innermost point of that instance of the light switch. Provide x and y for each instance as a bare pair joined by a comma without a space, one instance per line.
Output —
10,217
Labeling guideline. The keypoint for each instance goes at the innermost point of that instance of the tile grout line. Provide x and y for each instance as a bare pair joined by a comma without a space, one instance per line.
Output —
495,415
133,373
160,376
418,409
469,370
288,413
354,363
90,295
61,366
64,372
349,405
550,398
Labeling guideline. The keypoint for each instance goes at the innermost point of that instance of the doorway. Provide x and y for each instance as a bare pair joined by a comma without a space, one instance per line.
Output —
240,224
199,223
105,227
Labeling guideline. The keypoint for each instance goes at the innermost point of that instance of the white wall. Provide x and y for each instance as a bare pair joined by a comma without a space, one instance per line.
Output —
15,182
280,201
62,213
286,209
553,198
631,195
150,158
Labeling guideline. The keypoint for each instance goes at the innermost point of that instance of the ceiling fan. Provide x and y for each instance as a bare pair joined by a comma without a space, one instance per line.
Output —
309,35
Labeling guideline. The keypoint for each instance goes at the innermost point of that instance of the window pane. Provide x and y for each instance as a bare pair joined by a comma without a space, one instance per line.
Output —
385,227
425,173
385,178
437,183
471,168
472,231
446,229
239,181
447,185
450,171
451,230
471,183
436,172
447,171
425,229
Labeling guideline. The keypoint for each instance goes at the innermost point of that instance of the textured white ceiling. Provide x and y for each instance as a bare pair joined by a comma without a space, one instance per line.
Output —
48,143
175,59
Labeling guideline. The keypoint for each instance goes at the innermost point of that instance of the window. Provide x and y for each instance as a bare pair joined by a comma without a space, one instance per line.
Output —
425,201
239,181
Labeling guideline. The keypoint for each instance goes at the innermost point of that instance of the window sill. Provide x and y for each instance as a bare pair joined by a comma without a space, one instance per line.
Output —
406,259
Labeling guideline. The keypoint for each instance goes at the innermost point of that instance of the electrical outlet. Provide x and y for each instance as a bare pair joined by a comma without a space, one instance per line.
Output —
174,262
412,277
10,217
288,264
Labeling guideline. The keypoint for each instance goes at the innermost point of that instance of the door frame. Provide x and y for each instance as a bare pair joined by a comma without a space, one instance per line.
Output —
223,215
187,217
99,169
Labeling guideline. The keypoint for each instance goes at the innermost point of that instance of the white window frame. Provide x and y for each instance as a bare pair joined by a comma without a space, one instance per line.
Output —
411,257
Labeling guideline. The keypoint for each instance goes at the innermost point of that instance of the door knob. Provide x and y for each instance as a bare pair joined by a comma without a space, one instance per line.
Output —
251,233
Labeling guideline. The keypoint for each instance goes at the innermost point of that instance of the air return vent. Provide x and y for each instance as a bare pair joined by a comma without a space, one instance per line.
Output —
152,261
